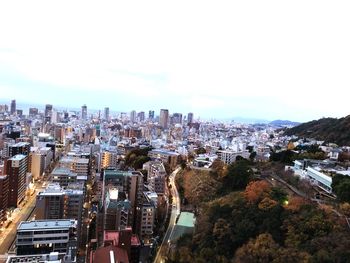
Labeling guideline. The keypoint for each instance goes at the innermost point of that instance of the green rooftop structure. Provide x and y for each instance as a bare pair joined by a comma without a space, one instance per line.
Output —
186,219
185,225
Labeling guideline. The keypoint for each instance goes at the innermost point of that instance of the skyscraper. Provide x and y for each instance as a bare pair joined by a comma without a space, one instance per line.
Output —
164,118
106,115
48,112
190,118
4,191
13,107
151,115
141,116
133,116
33,112
16,169
177,118
84,112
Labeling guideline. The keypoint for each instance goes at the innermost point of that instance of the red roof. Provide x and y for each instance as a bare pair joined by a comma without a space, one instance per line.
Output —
135,241
103,255
111,236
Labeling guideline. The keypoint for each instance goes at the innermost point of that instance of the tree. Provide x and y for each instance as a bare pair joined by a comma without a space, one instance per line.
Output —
250,148
201,150
263,249
218,169
278,194
256,191
342,190
252,156
238,175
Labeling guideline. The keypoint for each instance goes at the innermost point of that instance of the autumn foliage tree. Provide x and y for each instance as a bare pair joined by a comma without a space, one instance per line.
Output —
256,191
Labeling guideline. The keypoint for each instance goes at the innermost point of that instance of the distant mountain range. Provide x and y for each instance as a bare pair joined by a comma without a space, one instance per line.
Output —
284,123
325,129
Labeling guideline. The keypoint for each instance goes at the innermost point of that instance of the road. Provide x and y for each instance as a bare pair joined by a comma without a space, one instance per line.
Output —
9,234
175,211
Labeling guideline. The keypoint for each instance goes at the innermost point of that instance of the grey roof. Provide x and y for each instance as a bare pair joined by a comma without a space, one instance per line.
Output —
46,224
18,157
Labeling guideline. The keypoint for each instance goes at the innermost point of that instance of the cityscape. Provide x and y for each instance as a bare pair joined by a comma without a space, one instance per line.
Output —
174,131
131,187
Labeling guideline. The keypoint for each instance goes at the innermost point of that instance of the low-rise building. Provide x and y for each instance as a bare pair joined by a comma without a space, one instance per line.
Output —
165,156
46,236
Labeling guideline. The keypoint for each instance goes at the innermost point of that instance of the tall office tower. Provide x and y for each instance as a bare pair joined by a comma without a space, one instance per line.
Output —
4,192
48,113
4,108
141,116
84,112
16,169
19,113
164,118
39,160
33,112
106,114
133,116
13,107
151,115
65,116
59,133
177,118
46,236
190,118
19,148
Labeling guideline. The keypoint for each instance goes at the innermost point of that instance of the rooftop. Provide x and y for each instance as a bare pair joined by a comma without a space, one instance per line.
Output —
46,224
20,144
17,157
135,241
63,170
164,151
69,159
110,254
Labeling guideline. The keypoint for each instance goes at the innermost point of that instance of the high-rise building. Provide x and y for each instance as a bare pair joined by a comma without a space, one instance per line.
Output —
151,115
4,192
109,159
147,212
84,112
19,148
155,176
39,160
130,183
16,169
141,116
19,113
13,107
190,118
4,108
117,209
106,114
48,113
33,112
176,118
133,116
46,236
58,203
164,118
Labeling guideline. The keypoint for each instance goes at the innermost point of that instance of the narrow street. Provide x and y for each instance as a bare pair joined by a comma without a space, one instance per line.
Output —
175,211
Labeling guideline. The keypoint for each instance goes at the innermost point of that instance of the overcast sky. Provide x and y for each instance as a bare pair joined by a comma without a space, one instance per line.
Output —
263,59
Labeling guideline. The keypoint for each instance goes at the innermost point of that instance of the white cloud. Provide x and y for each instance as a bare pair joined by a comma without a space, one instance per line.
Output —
218,52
